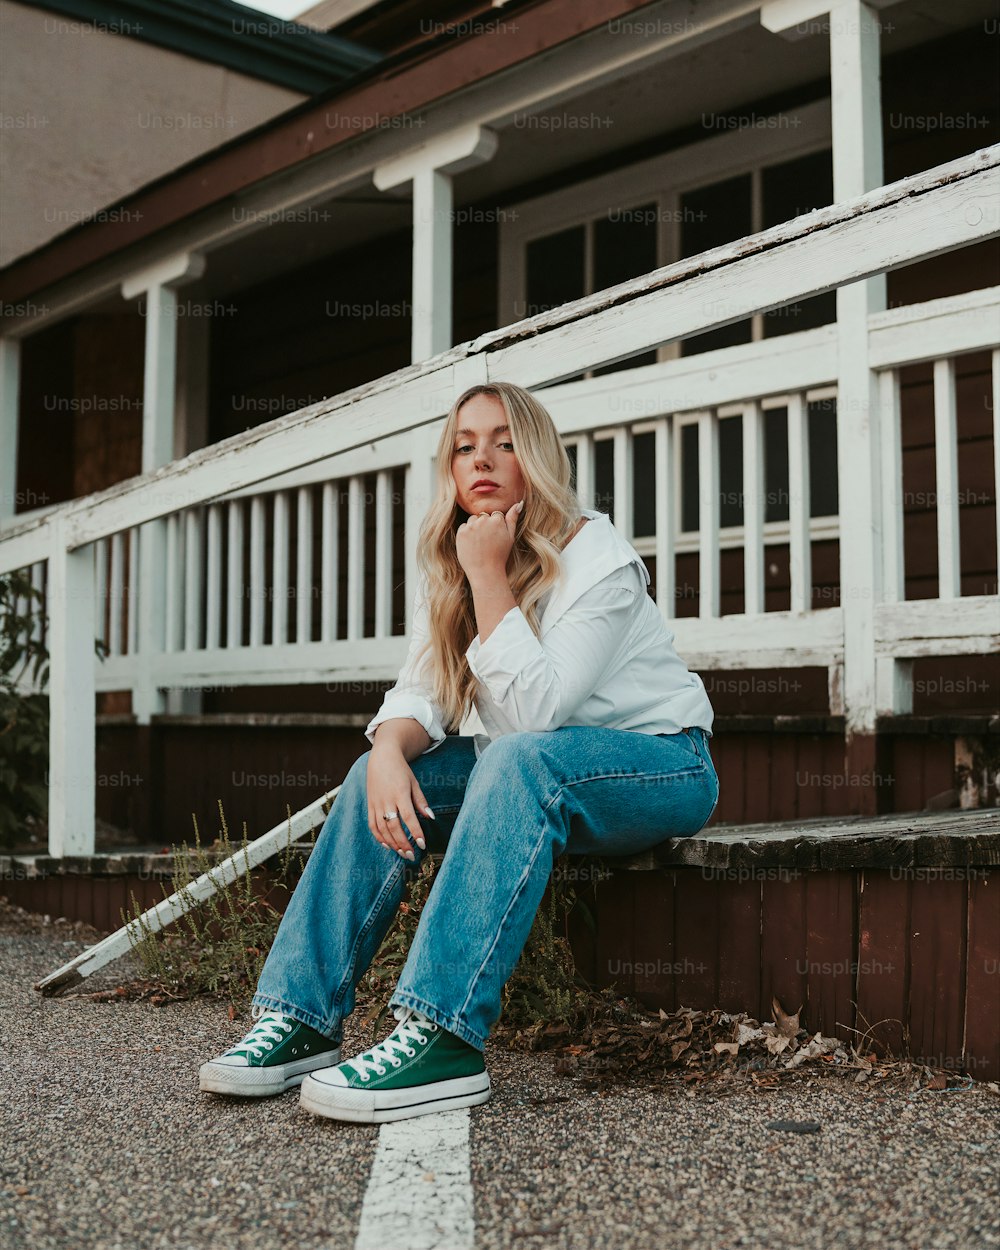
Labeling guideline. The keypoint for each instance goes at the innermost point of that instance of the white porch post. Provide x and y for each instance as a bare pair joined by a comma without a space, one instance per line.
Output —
72,727
432,264
854,31
857,167
10,395
430,169
158,285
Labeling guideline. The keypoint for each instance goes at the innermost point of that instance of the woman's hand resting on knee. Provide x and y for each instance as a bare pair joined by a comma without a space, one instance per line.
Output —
392,787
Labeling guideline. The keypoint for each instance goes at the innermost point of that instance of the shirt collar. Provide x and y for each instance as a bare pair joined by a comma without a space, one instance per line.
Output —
597,550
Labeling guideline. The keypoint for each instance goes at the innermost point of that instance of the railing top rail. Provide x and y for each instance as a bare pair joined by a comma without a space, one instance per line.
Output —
923,215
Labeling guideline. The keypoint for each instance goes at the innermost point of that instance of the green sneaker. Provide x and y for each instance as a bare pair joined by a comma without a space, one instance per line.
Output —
274,1056
431,1070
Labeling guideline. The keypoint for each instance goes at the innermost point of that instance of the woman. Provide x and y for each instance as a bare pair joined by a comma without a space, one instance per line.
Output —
580,730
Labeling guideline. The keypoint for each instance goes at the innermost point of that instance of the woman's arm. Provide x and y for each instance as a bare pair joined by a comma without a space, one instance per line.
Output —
402,734
492,600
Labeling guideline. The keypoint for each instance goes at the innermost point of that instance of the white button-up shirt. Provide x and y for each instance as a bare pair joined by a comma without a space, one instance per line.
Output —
604,656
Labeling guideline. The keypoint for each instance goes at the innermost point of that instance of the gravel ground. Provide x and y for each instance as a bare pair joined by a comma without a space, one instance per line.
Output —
110,1146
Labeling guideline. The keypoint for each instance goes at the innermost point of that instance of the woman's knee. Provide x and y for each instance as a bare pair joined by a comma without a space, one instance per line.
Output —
515,749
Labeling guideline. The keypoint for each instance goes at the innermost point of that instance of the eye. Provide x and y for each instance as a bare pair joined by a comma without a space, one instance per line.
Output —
468,447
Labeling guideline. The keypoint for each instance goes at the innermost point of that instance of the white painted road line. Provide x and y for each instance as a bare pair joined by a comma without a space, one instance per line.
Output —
419,1194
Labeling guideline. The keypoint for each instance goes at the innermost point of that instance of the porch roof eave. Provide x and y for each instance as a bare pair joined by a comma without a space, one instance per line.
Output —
181,210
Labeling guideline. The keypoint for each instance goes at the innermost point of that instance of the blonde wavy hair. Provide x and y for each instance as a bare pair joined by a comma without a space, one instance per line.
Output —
551,513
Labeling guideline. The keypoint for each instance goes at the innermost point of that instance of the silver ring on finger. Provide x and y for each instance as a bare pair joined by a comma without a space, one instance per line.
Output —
391,815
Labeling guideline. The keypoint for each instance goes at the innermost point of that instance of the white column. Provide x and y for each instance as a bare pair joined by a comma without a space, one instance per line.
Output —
72,725
158,287
10,395
857,168
431,313
430,168
856,107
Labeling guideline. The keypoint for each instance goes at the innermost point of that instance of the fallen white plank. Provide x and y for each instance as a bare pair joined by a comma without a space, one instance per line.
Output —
172,908
419,1193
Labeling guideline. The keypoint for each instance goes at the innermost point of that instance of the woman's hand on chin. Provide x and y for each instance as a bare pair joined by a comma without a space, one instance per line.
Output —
483,543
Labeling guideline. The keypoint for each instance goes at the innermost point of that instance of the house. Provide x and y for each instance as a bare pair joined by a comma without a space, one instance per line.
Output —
787,401
99,100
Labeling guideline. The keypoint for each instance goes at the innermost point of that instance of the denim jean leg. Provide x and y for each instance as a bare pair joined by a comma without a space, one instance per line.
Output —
480,910
340,910
531,797
349,894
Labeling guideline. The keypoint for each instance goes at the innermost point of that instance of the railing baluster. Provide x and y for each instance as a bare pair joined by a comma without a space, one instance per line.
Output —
174,565
799,507
213,578
946,479
355,557
257,574
132,602
383,554
893,567
303,564
192,579
666,533
624,482
279,578
708,514
585,470
753,508
116,593
101,588
234,573
330,560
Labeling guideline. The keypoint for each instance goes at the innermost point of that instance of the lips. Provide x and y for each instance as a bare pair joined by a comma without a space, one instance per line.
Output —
485,487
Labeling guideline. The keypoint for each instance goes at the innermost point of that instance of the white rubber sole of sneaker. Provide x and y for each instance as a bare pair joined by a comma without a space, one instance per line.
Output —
221,1078
363,1106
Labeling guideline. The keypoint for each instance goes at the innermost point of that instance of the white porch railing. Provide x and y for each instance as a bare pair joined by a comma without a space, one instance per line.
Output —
234,614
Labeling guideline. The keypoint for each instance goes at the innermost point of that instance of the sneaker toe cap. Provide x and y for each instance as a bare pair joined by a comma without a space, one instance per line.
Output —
330,1076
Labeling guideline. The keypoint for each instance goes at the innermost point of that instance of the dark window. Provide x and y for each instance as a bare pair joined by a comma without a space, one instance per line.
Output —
625,247
554,272
711,216
788,190
554,275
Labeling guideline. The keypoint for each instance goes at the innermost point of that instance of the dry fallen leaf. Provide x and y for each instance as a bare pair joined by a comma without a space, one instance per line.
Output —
786,1025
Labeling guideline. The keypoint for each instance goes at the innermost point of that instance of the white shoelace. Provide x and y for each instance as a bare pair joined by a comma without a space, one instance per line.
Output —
271,1027
399,1039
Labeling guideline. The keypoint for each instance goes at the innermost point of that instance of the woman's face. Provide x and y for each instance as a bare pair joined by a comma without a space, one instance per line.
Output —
484,452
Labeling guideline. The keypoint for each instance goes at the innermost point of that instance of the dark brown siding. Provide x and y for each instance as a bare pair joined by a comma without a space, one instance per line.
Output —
916,949
893,941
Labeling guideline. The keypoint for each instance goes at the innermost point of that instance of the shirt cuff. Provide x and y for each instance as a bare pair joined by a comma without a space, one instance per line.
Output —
410,706
498,660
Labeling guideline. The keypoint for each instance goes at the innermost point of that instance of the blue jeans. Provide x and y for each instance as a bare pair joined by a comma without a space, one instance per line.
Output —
500,821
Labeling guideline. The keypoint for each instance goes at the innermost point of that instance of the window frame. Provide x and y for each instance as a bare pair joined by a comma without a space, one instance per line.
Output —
662,180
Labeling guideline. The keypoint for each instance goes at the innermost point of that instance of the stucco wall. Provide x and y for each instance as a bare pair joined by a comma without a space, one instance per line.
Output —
87,115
